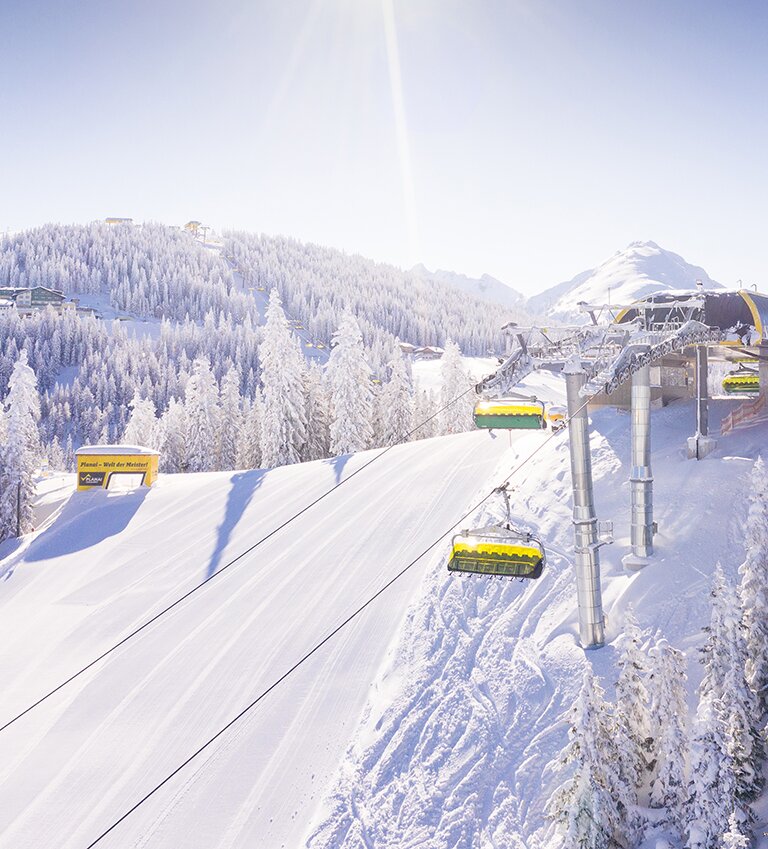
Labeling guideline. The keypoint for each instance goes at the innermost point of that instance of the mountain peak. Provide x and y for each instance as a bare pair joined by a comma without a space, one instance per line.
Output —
633,273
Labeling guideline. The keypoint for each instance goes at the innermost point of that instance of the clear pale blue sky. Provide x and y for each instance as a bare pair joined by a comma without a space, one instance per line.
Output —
529,139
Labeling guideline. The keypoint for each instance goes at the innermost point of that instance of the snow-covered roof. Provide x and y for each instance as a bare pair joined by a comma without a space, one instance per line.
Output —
115,449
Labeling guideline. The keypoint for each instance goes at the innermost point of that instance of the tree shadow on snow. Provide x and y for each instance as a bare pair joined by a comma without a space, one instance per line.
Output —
86,519
243,486
337,464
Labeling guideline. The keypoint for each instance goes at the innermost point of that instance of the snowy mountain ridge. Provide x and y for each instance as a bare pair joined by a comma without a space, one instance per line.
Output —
486,287
632,273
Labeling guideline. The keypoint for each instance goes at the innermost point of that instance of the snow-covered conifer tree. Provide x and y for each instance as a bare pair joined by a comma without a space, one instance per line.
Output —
173,448
348,377
633,720
203,417
666,685
142,423
249,450
724,658
735,837
753,588
712,789
318,414
231,420
56,458
284,416
21,450
593,807
457,415
423,423
397,402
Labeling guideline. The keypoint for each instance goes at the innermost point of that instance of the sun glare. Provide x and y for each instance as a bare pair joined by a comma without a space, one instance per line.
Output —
401,127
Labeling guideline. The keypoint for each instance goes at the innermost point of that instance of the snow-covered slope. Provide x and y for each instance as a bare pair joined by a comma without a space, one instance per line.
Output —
638,270
106,562
486,287
464,722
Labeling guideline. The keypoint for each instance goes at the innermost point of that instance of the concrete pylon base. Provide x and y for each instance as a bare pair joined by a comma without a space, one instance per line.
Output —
634,562
699,446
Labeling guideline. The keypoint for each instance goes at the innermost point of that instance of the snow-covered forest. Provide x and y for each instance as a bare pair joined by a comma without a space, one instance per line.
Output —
93,375
318,283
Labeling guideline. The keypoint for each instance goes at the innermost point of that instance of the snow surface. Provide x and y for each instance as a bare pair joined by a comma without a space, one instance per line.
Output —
431,722
106,562
638,270
463,723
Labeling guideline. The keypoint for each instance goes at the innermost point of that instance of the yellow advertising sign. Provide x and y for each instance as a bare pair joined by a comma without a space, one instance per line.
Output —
96,470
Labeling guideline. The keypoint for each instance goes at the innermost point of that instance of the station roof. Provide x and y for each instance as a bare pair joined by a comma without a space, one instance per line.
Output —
740,314
116,449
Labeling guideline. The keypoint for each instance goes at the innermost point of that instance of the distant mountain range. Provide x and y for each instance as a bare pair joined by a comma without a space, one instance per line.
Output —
630,274
486,287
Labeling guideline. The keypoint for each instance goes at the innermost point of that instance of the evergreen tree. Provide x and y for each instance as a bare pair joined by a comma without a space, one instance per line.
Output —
724,658
57,460
634,729
142,423
669,710
173,445
249,450
21,450
753,588
456,417
397,402
231,420
283,419
593,807
348,379
712,796
424,422
203,417
735,838
318,414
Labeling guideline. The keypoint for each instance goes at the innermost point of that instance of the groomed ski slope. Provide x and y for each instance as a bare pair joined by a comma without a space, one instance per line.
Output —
107,561
456,749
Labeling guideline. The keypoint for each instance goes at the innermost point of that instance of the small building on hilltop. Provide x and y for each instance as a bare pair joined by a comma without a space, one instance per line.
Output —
118,220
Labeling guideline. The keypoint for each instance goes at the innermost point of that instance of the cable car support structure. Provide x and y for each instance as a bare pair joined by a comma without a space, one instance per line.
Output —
599,358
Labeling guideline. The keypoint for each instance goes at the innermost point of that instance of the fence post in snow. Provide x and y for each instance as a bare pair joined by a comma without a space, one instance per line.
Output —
587,556
641,478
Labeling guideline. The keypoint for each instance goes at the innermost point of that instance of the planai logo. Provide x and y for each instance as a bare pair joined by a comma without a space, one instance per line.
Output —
90,479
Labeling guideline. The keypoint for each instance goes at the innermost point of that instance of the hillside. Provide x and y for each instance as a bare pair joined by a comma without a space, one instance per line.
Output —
632,273
107,561
467,715
449,696
318,283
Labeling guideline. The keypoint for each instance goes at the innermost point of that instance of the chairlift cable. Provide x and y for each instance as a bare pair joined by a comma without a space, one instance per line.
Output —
276,683
223,569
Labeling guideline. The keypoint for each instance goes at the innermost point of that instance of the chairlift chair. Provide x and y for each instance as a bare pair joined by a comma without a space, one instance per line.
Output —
556,416
741,382
510,413
498,549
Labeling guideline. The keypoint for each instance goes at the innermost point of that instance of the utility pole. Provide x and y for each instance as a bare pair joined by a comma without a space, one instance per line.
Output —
587,557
